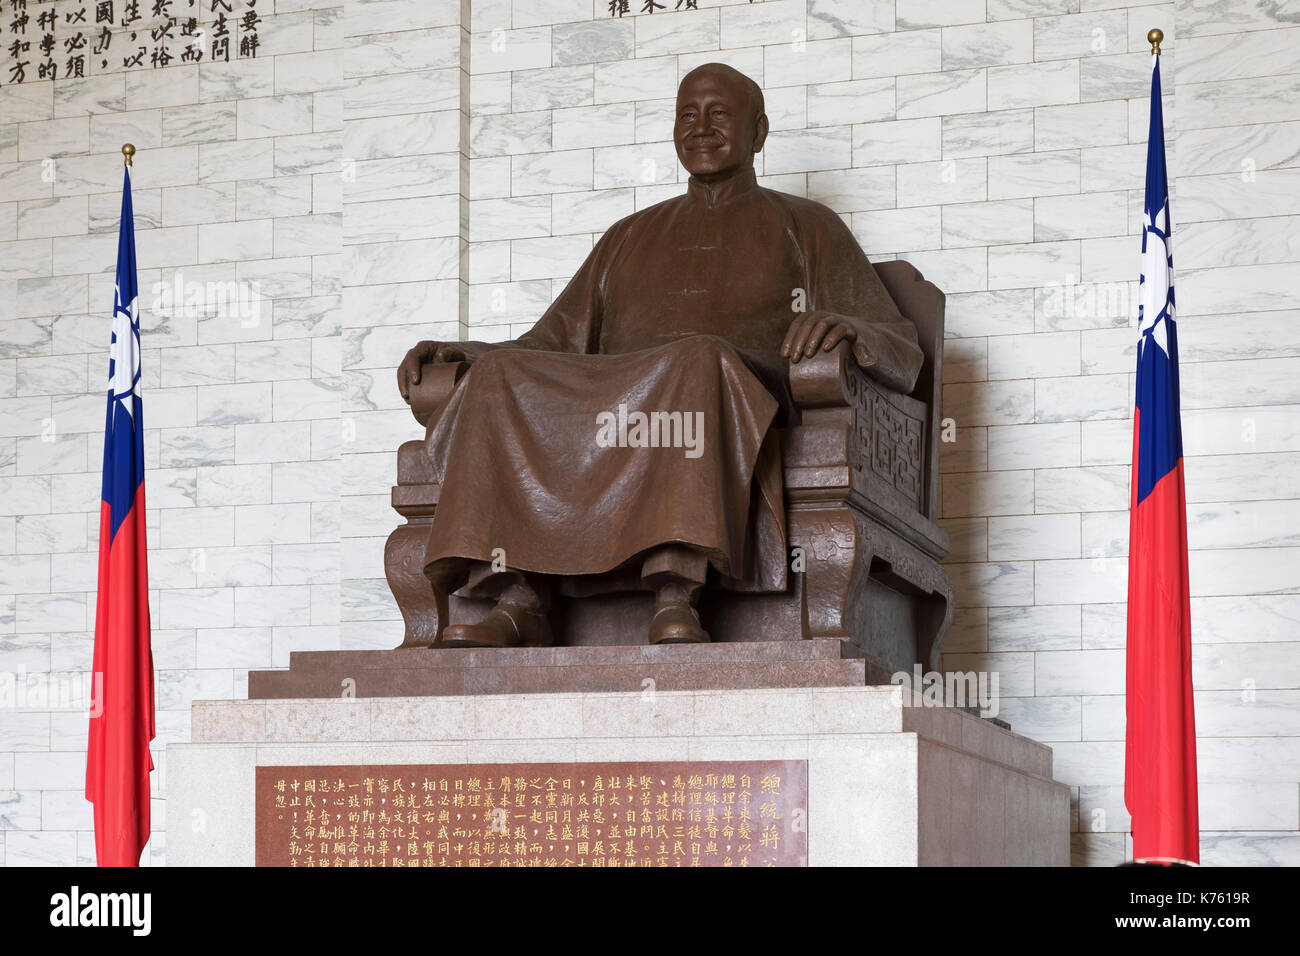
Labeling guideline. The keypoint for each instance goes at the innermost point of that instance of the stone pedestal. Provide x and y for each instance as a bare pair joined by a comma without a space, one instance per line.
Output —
424,672
888,784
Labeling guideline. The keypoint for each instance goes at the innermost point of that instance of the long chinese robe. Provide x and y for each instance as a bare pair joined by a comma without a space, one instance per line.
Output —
680,308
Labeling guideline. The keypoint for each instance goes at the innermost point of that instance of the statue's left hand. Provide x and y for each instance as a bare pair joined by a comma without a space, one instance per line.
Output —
814,331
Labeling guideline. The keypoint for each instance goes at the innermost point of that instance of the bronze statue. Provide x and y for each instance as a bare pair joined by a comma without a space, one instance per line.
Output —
626,440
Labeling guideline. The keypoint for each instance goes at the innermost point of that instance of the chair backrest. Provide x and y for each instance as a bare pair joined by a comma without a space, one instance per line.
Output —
922,302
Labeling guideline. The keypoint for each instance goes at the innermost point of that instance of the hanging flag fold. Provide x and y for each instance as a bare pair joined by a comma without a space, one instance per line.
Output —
118,762
1160,746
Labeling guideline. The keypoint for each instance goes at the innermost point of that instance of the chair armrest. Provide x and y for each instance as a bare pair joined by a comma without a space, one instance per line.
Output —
822,381
437,381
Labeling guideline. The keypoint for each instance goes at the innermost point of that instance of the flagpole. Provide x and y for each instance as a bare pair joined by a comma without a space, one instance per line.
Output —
122,714
1160,778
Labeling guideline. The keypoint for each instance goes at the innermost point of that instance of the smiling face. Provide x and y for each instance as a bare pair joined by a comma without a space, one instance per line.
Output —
719,124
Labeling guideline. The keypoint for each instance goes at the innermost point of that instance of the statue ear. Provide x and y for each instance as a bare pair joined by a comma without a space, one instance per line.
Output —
760,132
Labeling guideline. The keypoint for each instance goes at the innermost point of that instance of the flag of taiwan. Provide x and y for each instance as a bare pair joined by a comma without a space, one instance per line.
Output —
1160,751
118,762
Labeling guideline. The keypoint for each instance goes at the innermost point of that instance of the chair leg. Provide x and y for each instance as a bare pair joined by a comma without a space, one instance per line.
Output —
933,617
904,566
836,564
423,609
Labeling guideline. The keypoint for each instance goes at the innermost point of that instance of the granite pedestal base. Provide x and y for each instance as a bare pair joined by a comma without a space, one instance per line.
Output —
423,672
888,784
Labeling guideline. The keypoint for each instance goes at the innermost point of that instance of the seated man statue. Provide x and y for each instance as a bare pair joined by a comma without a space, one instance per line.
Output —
631,430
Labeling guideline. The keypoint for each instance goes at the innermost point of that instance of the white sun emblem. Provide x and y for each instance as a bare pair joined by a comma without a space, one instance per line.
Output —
124,353
1154,291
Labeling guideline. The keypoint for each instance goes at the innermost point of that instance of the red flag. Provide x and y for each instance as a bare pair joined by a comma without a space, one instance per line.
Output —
118,762
1160,751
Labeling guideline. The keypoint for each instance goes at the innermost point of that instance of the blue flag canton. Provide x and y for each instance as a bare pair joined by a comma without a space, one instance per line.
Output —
1160,442
123,426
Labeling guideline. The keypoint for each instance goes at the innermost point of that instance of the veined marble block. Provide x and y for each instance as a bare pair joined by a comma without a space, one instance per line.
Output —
888,784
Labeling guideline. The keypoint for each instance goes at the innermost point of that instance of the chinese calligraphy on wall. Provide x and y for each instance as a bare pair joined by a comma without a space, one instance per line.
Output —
72,39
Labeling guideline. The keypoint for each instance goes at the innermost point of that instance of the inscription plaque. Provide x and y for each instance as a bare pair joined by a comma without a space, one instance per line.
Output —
714,813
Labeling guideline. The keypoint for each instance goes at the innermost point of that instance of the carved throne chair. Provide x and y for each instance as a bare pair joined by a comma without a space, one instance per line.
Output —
861,494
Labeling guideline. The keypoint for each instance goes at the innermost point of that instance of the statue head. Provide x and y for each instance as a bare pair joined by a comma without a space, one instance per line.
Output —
720,122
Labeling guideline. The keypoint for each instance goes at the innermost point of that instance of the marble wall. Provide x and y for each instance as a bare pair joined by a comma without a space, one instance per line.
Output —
392,170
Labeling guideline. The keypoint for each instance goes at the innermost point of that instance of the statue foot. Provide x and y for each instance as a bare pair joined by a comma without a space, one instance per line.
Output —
677,624
506,625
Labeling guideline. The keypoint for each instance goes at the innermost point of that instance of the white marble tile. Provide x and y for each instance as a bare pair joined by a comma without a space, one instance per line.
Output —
1097,488
535,174
400,51
1241,477
937,94
626,80
988,223
1043,718
1105,534
849,17
990,313
1238,102
751,25
1052,627
1080,35
1033,537
953,270
1087,581
219,81
421,90
980,493
552,88
1032,264
897,54
1034,174
887,231
989,44
1037,84
616,39
1261,428
1080,125
947,181
968,539
1015,670
965,360
967,453
825,62
1082,398
989,403
789,151
650,167
1018,447
867,100
915,14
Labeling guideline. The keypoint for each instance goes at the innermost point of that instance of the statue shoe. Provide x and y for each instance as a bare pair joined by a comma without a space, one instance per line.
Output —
506,625
677,624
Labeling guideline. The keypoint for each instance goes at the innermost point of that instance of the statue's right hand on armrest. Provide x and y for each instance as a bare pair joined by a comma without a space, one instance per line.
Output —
429,373
411,370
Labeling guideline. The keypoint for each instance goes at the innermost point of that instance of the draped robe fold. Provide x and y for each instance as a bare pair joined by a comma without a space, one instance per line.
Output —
680,308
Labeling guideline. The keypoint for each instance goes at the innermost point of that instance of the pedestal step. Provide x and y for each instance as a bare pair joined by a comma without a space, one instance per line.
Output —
522,670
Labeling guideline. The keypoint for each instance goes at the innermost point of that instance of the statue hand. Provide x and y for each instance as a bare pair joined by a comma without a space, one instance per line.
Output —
408,373
812,331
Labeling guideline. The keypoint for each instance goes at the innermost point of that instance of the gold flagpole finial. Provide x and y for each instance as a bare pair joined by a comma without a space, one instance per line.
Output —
1154,37
128,151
